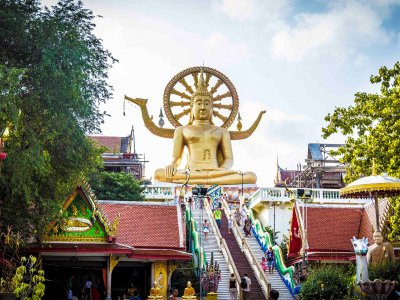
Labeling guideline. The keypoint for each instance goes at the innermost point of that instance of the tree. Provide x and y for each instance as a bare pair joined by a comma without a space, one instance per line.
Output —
53,73
116,186
372,130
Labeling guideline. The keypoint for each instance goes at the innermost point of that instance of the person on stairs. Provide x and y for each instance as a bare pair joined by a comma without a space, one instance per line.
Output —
270,260
217,216
273,295
230,223
206,229
245,284
264,264
232,287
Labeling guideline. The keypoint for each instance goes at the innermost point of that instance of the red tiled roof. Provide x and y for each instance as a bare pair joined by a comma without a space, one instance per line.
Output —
367,227
331,228
112,143
146,226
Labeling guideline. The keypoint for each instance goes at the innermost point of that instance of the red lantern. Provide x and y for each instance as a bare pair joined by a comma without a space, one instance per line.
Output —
3,155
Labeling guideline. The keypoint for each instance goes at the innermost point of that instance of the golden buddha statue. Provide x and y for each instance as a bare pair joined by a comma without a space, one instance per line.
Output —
155,292
189,292
209,147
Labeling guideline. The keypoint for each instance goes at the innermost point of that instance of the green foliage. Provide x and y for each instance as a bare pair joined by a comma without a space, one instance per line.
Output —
18,274
325,282
116,186
372,129
270,230
283,245
386,271
53,73
10,244
29,279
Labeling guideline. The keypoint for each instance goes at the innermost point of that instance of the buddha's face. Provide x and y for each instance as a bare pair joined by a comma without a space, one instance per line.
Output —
202,107
378,238
189,284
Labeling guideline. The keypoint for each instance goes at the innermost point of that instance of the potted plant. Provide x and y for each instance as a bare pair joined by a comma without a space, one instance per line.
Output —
19,276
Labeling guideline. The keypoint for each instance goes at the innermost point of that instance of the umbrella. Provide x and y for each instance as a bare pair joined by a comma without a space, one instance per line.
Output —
374,186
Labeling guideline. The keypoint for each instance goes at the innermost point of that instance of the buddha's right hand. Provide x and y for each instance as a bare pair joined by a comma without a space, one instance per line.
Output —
170,171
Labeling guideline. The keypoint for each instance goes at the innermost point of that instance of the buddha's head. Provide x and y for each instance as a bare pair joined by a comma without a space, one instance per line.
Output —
155,284
189,284
201,102
378,238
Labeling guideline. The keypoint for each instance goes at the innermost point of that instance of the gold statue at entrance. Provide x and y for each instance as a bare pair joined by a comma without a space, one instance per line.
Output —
155,292
209,146
189,292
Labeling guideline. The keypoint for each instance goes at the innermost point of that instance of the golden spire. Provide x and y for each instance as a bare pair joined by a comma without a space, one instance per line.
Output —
201,88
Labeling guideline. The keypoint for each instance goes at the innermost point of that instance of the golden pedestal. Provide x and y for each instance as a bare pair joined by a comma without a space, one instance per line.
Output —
212,296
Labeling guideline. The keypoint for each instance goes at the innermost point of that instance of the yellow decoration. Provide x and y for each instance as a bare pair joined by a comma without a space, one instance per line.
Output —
370,187
161,277
114,260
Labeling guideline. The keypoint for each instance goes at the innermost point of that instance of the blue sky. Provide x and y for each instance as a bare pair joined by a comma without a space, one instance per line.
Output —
296,59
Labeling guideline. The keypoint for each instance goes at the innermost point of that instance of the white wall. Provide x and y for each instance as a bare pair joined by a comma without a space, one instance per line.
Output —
283,214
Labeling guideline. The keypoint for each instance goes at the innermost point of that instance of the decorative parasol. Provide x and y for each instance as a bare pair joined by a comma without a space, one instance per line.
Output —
374,186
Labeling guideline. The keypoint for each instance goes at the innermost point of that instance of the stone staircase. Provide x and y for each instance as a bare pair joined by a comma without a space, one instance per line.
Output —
212,247
275,279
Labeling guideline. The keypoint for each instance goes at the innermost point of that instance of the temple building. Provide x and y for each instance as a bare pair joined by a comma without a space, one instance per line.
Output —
321,170
120,154
322,232
116,244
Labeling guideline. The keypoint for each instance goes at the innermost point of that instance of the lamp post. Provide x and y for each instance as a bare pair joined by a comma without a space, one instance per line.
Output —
274,231
184,185
242,174
200,193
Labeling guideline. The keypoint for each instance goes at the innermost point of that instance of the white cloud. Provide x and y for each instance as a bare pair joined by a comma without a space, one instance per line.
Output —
278,116
219,47
237,9
347,27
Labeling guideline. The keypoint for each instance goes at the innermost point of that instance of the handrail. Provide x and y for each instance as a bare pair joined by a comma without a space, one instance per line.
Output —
325,196
224,247
265,240
254,263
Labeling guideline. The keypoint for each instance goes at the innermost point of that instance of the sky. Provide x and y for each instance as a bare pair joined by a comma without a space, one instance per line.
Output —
297,60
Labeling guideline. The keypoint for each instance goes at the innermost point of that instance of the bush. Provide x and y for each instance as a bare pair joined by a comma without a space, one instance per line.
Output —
386,271
325,282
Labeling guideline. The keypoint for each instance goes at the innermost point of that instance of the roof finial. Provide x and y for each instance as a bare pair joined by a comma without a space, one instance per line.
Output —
278,173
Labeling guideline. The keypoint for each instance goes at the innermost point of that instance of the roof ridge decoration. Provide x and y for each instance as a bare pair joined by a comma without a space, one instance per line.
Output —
81,219
111,228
